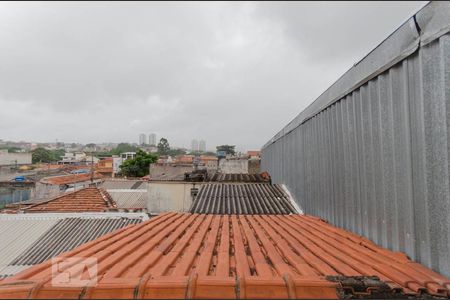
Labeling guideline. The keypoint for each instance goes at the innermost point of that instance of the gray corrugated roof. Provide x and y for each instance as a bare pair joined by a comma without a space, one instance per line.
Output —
237,177
248,198
112,184
129,199
169,172
67,234
27,239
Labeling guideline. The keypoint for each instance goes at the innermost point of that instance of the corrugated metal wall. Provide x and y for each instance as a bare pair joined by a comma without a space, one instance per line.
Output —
376,161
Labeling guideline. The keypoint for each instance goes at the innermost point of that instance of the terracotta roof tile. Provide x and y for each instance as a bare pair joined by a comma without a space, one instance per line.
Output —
84,200
212,256
68,179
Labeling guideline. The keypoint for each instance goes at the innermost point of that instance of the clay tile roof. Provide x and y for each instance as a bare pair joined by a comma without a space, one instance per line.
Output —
178,255
84,200
68,179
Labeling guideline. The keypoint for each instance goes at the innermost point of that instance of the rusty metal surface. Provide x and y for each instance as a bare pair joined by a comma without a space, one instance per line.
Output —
179,255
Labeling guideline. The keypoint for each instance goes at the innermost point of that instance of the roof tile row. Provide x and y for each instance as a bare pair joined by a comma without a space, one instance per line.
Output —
70,179
84,200
214,256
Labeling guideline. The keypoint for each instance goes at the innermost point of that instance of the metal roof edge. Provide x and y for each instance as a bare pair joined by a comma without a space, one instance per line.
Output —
292,199
84,215
425,26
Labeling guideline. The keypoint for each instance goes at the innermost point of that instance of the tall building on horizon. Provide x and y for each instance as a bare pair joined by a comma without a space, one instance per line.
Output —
194,145
142,139
202,146
152,139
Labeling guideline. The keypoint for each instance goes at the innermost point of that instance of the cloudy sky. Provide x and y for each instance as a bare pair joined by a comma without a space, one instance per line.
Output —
229,73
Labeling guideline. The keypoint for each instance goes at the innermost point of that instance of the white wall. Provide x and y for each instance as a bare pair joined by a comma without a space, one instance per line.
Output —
10,158
233,166
170,196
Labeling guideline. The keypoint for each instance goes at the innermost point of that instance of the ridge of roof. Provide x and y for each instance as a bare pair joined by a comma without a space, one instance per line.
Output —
89,199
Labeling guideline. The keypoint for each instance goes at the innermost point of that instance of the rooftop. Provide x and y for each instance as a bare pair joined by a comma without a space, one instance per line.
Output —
110,184
84,200
246,198
166,172
28,239
179,255
129,198
239,177
69,179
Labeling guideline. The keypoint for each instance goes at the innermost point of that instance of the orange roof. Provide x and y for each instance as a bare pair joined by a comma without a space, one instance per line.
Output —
85,200
254,153
68,179
208,158
184,159
178,255
107,159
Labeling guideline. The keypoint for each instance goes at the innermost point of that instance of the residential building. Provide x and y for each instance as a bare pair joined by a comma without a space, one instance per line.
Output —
142,139
194,146
128,155
152,139
56,185
254,154
105,166
233,165
73,158
202,146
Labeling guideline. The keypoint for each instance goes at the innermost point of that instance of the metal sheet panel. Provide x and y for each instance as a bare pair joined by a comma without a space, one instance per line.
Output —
35,237
129,198
246,198
68,234
376,160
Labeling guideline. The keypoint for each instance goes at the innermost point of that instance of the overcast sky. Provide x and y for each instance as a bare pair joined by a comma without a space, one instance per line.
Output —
228,73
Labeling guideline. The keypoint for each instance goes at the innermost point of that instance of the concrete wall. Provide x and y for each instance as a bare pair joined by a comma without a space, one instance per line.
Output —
233,166
372,153
11,158
15,193
170,196
254,166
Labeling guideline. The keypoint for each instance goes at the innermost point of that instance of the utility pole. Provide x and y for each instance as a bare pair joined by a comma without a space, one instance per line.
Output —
92,168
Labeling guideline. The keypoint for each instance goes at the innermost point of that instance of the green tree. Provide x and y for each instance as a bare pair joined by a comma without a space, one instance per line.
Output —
41,155
123,147
229,149
138,166
163,146
57,154
11,149
175,152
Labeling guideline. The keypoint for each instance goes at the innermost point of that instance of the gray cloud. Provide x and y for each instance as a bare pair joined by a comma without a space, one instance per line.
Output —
225,72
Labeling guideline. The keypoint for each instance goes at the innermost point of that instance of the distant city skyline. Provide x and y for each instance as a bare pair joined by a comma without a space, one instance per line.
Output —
142,139
152,139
